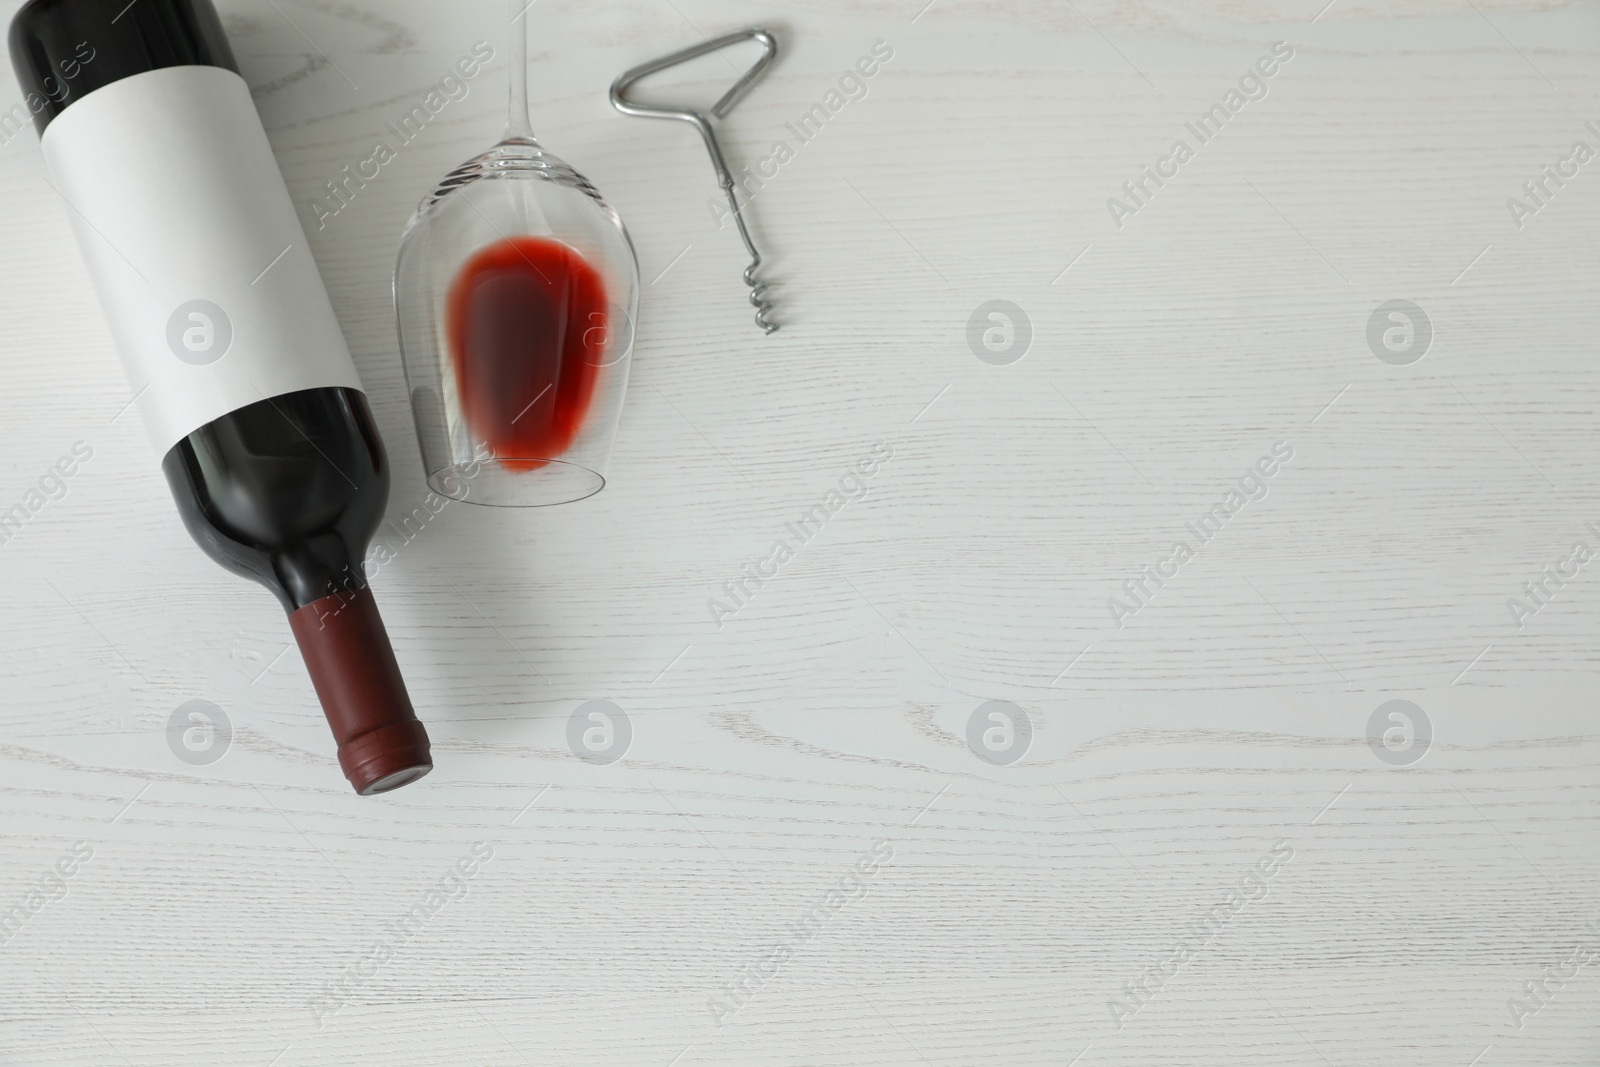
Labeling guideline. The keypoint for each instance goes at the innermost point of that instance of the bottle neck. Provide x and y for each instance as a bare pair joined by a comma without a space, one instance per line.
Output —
320,568
288,492
347,652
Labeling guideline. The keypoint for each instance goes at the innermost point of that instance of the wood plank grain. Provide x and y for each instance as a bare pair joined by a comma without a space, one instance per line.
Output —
627,908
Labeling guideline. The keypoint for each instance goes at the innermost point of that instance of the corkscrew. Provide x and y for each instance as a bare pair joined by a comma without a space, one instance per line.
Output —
702,122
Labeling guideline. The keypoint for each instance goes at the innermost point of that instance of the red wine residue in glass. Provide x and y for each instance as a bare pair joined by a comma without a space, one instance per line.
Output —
526,321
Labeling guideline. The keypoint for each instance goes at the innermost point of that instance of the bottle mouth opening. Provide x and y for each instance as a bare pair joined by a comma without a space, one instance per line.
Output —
386,758
397,780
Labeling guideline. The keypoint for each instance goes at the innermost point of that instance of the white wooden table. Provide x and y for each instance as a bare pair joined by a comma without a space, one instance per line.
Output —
683,904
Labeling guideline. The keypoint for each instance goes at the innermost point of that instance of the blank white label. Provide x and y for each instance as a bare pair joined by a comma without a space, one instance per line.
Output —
199,259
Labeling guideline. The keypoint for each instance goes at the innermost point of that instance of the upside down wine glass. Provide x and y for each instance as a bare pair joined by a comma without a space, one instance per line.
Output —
516,291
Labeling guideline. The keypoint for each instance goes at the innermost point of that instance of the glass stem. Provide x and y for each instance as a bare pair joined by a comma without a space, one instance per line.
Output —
517,125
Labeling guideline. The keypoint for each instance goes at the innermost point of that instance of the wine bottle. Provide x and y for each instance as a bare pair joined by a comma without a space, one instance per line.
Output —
239,368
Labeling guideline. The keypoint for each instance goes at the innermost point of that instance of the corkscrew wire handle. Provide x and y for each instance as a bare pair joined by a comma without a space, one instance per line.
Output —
702,122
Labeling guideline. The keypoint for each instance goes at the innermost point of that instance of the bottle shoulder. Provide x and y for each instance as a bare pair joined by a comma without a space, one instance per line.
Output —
288,491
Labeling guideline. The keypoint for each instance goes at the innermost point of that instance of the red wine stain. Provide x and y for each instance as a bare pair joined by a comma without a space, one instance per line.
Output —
527,325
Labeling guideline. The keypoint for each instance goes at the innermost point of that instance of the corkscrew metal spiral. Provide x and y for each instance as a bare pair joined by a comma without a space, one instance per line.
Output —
702,122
